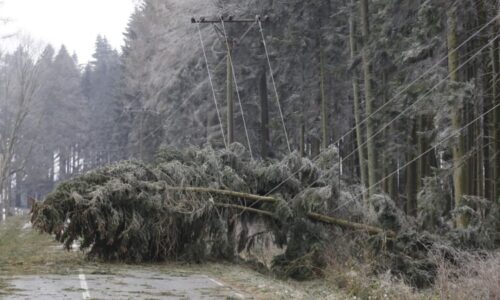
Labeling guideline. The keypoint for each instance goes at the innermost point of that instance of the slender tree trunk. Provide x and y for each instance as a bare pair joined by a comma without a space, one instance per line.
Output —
479,163
9,201
357,108
230,99
264,114
369,101
412,176
471,138
315,146
495,156
19,190
458,149
141,139
325,139
427,161
302,147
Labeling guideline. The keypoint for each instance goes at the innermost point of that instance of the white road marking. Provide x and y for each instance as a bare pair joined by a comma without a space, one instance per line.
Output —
215,281
84,285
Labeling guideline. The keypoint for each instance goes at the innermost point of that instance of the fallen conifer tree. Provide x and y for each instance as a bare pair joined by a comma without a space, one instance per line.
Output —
199,204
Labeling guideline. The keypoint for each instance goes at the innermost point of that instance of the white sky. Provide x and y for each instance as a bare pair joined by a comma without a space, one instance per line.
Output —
74,23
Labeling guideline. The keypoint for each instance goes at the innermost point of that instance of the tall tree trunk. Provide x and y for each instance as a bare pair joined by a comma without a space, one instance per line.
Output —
426,161
411,175
19,190
325,139
470,135
496,116
302,147
315,146
369,101
230,99
458,149
264,114
356,100
479,163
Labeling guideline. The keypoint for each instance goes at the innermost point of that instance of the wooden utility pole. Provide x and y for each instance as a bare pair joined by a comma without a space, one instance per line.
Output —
229,72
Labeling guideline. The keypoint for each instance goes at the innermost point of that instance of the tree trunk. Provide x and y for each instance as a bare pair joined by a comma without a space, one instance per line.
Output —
264,114
495,157
369,101
229,98
357,109
458,149
315,146
425,124
412,176
19,190
302,148
325,139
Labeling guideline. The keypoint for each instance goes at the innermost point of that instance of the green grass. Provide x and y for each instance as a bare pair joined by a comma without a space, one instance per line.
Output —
27,252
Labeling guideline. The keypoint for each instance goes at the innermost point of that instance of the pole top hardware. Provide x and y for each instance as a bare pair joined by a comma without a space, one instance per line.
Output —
228,19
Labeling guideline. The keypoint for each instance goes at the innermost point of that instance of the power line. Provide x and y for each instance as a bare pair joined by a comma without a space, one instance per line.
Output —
412,105
407,109
274,85
211,83
422,154
230,57
212,86
395,97
391,100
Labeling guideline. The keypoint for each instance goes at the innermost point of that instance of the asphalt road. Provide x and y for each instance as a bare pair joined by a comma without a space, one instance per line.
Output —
125,284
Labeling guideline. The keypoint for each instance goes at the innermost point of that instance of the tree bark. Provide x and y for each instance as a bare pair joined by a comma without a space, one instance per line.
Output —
302,147
412,176
325,139
495,156
264,114
315,146
230,98
357,106
369,101
458,149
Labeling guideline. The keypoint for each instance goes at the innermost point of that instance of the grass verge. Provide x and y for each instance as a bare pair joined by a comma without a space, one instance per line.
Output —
23,251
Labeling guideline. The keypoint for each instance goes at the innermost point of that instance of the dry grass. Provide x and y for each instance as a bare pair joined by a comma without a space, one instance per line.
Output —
359,282
25,251
472,277
357,279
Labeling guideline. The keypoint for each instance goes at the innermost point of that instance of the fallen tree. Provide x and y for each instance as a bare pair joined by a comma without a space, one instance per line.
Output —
202,204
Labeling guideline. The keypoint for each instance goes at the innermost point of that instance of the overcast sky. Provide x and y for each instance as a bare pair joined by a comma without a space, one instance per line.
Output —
74,23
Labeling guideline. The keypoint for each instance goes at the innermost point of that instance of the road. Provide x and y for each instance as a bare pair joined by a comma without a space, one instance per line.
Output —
33,266
126,283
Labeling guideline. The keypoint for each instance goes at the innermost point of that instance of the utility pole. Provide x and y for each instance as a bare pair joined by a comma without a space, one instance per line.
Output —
231,43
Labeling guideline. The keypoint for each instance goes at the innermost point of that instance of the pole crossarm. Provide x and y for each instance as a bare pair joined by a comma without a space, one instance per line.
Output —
227,19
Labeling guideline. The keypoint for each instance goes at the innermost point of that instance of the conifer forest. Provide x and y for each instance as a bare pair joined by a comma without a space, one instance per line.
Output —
306,139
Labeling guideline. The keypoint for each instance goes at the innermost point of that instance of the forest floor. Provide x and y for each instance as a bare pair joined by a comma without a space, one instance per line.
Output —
32,265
